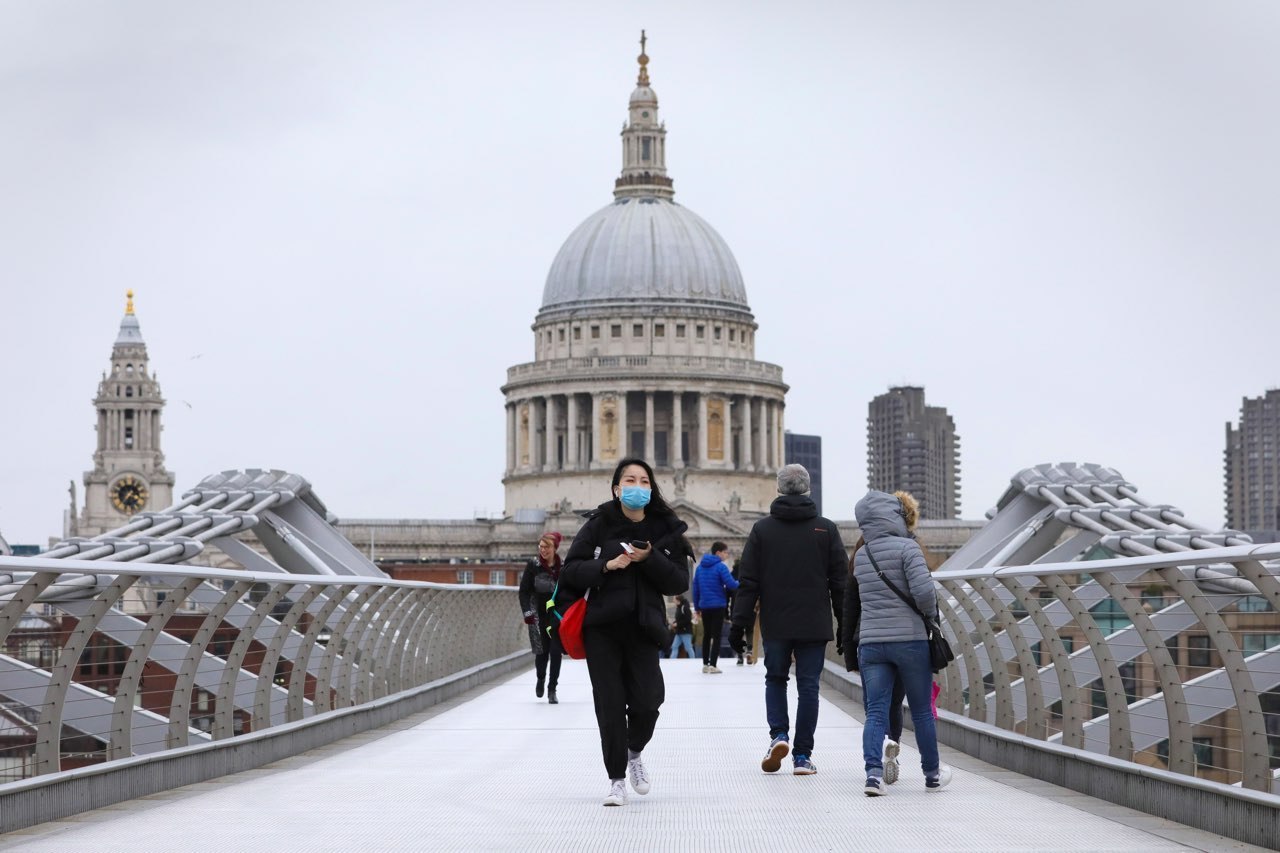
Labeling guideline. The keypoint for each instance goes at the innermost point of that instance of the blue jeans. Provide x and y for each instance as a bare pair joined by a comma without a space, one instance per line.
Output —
881,664
809,655
679,640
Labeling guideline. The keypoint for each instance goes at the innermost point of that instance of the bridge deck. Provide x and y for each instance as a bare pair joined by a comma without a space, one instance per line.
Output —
500,770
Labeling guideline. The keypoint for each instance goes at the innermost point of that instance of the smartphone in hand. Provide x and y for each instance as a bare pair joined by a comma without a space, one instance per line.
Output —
627,547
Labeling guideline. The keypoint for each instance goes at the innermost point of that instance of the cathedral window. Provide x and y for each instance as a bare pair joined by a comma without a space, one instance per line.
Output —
717,333
595,333
700,331
128,438
659,330
644,149
128,369
615,331
128,390
732,335
637,330
562,336
577,333
679,330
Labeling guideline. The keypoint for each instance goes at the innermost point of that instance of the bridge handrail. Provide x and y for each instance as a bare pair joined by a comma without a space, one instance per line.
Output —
212,653
1030,639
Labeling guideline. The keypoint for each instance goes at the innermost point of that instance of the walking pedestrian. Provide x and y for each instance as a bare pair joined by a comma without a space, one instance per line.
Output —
712,582
892,641
629,554
794,565
536,585
682,627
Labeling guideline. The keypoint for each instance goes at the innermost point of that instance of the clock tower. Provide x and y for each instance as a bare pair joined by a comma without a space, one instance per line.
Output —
128,473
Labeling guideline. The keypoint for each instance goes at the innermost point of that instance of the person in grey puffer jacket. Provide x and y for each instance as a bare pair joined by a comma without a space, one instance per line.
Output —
892,639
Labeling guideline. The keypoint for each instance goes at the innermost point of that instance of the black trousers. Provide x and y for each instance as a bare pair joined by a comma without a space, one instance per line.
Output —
627,685
551,651
712,625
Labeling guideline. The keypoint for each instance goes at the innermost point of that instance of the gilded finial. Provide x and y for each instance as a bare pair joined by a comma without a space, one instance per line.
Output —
643,59
128,305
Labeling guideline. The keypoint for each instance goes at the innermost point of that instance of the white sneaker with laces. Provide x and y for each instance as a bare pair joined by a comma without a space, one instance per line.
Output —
891,762
639,776
617,793
938,781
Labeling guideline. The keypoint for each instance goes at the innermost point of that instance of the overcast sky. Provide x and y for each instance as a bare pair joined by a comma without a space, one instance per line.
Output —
1058,217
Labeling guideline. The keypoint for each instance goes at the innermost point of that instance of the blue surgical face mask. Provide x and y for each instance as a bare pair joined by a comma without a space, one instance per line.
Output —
635,497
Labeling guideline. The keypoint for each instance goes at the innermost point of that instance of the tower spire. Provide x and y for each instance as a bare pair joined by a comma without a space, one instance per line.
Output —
644,141
643,59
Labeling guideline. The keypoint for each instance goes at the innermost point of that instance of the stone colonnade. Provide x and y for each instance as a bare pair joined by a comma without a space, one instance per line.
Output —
669,429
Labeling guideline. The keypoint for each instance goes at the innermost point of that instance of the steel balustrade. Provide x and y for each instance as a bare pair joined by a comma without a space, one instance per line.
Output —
383,637
1153,718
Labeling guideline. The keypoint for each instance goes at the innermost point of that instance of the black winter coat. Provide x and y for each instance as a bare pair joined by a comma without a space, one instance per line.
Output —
533,598
794,564
683,623
637,592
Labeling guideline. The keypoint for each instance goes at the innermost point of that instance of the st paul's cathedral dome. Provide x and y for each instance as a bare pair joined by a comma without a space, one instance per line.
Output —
644,345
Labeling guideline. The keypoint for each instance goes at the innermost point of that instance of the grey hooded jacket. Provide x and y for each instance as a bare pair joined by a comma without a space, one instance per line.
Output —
885,617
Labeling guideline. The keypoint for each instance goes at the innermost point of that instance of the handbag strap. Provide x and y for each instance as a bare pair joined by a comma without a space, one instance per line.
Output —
908,601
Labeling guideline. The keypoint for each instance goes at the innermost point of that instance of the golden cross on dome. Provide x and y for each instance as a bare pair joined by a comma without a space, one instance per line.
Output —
643,59
128,305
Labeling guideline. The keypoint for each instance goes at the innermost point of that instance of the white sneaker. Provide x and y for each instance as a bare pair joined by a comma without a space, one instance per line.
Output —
639,776
705,669
617,793
714,670
891,762
939,781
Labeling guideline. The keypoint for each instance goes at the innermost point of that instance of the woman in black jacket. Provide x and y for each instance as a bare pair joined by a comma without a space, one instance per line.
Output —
627,557
536,585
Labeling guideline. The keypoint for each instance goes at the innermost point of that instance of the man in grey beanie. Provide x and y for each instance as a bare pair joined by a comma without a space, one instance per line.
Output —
794,564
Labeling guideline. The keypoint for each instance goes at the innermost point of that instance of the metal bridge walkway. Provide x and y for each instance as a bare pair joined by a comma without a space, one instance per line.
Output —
498,769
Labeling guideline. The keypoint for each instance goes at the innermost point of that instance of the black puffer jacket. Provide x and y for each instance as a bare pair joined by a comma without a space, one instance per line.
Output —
639,591
794,564
536,585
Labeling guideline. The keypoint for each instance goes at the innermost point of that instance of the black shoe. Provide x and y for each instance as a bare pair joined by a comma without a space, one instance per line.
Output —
551,697
538,689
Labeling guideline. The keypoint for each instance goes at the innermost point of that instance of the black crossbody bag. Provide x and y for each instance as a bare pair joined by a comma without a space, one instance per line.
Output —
940,653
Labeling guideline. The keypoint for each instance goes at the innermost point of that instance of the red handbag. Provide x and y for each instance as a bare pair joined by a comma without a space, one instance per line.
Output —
570,629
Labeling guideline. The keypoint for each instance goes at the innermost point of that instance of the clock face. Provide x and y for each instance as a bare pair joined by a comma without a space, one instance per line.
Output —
129,494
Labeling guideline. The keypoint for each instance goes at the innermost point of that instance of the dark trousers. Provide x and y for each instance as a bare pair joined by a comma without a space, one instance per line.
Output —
712,624
895,709
551,651
626,683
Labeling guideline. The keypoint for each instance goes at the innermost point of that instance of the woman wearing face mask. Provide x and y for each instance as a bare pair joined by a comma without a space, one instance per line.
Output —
630,554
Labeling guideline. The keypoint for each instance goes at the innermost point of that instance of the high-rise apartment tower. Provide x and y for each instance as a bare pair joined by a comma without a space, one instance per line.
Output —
1252,462
914,447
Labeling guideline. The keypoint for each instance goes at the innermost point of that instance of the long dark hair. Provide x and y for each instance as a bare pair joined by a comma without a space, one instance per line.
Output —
657,504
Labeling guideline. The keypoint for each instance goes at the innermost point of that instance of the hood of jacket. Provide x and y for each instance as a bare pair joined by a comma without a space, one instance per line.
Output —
880,514
708,560
793,508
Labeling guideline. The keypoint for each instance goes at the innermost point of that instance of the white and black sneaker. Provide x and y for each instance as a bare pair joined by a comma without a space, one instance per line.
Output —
938,781
639,776
891,762
617,793
874,787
